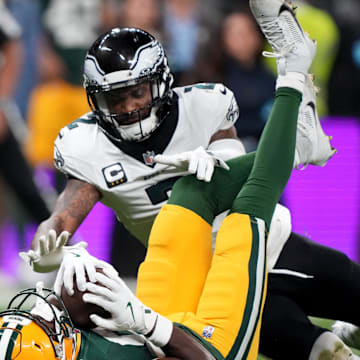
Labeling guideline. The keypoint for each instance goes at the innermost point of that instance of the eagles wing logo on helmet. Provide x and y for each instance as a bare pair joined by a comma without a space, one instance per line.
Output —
92,74
148,58
146,61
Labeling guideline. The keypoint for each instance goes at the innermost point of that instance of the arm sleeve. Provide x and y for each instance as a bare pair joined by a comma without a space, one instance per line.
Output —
220,105
227,149
230,109
211,105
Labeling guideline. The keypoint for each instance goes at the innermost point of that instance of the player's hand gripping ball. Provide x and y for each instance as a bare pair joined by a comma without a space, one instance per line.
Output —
79,310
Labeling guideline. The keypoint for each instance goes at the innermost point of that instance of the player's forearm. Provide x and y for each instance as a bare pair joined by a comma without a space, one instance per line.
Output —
71,208
185,347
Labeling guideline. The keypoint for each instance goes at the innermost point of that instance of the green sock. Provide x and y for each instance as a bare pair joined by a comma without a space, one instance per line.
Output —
274,159
210,199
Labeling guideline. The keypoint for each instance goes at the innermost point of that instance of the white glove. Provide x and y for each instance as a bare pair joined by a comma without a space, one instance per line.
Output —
49,254
77,261
127,311
198,161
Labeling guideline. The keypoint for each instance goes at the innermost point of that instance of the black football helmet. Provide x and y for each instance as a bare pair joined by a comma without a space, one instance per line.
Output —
121,58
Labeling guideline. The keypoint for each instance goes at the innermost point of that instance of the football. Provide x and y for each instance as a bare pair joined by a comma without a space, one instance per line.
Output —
79,310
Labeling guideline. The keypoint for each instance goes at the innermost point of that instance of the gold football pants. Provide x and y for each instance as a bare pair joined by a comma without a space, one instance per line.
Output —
220,297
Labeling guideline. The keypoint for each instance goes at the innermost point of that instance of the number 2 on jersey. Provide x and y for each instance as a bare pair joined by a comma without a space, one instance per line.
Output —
159,192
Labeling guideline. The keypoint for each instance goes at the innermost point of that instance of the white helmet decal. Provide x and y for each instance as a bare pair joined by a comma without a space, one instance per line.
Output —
146,60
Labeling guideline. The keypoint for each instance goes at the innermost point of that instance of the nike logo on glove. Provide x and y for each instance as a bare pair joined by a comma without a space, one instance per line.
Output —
129,305
75,254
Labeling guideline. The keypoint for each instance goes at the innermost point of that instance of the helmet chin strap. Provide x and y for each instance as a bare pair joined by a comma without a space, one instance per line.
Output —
141,129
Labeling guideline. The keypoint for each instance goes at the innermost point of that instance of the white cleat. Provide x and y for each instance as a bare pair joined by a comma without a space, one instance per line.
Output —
312,145
293,49
328,346
348,333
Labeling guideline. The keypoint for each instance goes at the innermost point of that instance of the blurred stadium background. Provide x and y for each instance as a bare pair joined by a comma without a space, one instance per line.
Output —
206,40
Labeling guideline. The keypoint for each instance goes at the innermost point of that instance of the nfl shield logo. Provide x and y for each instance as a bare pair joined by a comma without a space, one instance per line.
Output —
207,332
149,158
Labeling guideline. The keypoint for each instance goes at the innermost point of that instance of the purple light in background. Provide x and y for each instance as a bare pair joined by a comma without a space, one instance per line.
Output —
96,230
325,201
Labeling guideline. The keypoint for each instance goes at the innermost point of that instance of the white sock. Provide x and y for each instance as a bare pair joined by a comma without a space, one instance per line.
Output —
293,80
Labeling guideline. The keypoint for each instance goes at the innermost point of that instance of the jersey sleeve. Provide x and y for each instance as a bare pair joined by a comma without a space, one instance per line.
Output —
72,150
213,104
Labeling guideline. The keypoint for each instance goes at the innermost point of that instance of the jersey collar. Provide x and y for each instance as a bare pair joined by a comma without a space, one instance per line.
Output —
158,141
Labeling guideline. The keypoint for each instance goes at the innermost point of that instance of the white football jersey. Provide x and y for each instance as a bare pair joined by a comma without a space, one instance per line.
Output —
125,174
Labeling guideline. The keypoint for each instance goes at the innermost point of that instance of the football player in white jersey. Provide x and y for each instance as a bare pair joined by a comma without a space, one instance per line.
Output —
110,154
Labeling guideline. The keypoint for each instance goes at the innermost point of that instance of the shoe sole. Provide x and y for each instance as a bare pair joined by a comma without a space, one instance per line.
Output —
324,138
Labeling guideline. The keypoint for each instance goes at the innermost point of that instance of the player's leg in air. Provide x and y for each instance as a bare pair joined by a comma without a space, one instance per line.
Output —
236,284
229,309
236,279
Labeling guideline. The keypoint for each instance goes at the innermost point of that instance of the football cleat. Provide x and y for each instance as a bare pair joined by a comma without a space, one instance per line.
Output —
348,333
328,346
312,145
293,49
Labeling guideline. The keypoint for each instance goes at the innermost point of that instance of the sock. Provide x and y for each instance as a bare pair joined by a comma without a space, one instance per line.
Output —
274,158
292,80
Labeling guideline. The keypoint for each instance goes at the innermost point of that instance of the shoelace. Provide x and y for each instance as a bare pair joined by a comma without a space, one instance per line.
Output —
274,33
278,41
280,59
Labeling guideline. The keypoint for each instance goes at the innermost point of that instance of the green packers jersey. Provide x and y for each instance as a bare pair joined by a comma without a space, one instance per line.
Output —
125,345
122,347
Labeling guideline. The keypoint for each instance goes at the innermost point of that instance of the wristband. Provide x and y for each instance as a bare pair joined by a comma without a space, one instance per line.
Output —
162,332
